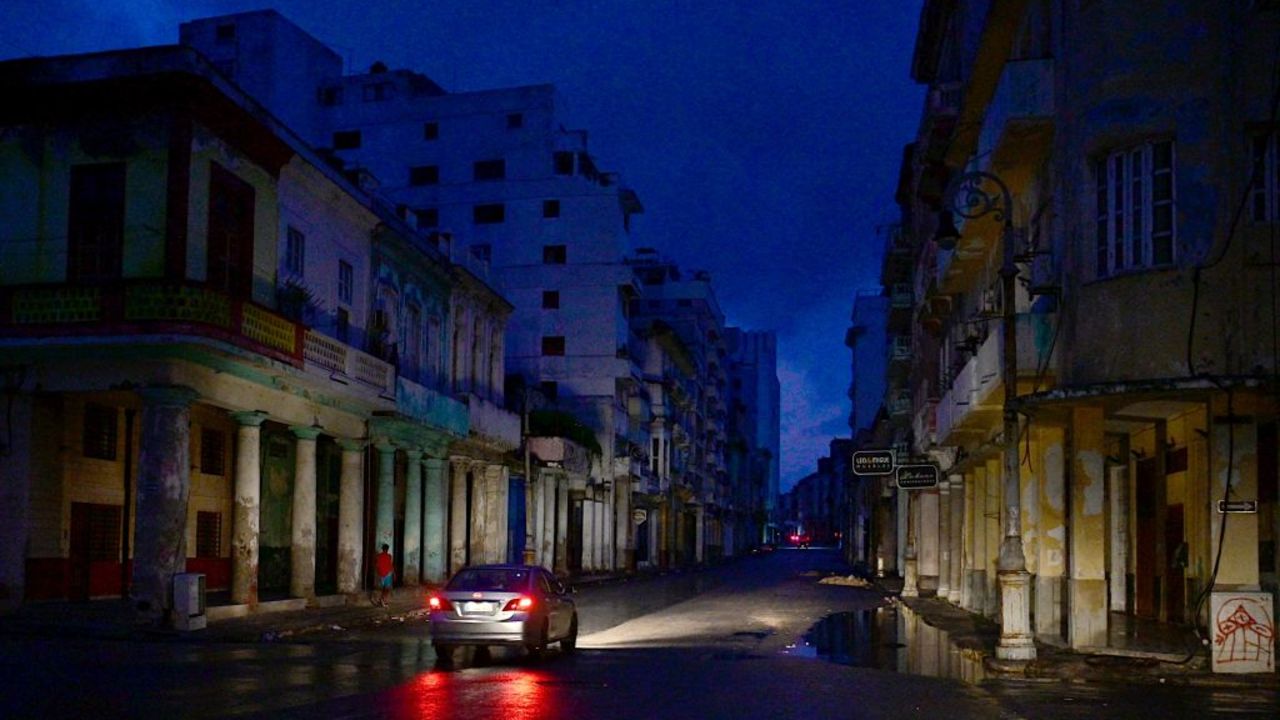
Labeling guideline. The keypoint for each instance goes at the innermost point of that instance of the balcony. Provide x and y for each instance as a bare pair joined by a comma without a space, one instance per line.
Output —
1019,120
902,298
343,362
431,408
975,400
149,307
492,423
924,425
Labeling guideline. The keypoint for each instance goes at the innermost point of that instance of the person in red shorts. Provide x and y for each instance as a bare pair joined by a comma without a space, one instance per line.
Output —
384,569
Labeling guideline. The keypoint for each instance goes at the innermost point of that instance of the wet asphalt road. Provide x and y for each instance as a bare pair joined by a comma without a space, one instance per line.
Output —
723,643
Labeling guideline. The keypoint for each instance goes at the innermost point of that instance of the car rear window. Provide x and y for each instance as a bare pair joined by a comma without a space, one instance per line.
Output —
493,580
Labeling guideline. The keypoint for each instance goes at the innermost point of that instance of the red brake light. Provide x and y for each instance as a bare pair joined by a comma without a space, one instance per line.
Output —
524,602
438,603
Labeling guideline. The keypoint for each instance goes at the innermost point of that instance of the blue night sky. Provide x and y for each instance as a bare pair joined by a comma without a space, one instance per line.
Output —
763,136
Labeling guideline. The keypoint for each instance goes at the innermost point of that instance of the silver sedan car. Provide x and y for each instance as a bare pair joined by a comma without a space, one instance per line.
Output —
512,605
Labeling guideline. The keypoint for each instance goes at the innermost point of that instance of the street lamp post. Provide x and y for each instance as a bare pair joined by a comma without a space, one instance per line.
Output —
969,197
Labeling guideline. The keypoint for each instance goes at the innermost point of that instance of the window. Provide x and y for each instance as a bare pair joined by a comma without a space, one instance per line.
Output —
424,175
208,534
551,299
99,432
515,120
428,217
489,214
346,140
102,530
430,131
554,254
553,345
343,328
330,96
1265,172
1135,208
550,390
95,224
213,452
346,281
490,169
550,208
376,92
225,33
295,251
230,232
563,162
412,338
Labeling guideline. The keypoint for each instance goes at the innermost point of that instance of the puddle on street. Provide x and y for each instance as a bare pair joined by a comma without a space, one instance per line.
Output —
887,638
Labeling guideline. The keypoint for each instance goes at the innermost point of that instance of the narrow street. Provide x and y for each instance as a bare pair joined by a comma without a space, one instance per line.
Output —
727,642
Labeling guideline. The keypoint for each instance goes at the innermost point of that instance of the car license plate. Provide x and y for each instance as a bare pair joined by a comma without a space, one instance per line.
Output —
477,607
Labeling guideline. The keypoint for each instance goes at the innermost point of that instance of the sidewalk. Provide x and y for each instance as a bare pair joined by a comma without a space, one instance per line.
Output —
1138,652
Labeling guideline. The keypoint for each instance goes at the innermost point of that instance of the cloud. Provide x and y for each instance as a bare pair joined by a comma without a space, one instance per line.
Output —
810,419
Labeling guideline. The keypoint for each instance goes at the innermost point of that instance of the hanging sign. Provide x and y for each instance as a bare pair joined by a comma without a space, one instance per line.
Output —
917,477
873,462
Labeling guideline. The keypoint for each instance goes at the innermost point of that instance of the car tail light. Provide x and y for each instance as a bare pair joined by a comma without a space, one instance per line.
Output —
524,602
439,603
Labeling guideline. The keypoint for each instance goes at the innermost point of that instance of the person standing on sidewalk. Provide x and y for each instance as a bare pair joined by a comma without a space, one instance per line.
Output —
384,568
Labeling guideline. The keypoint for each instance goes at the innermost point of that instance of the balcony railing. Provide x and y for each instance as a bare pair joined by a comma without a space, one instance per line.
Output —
337,357
1023,99
142,307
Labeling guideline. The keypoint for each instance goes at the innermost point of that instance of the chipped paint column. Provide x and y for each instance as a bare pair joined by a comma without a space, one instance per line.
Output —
927,543
164,486
18,458
479,514
436,508
991,521
457,515
1117,536
944,537
384,522
966,543
1234,443
956,537
302,540
1051,566
350,515
910,584
1087,597
497,489
562,526
978,539
412,548
699,533
248,499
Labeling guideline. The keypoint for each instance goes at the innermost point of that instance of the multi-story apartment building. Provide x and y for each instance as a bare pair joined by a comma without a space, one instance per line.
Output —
494,176
754,433
220,354
1140,198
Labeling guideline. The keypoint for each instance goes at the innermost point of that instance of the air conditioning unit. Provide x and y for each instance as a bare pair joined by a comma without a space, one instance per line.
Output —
188,601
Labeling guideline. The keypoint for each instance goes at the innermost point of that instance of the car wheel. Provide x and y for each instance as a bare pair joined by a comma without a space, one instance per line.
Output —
536,649
444,653
570,642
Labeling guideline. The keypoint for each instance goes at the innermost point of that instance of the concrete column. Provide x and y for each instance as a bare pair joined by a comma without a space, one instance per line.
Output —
994,516
944,538
248,507
413,518
1118,536
384,522
302,542
497,489
18,455
1052,564
966,543
436,540
457,515
624,542
1234,443
1087,586
700,532
956,538
910,567
539,518
164,486
927,542
978,541
350,516
480,495
562,526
